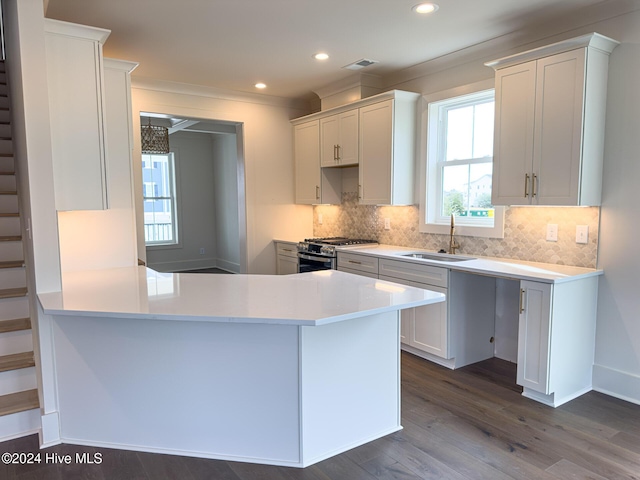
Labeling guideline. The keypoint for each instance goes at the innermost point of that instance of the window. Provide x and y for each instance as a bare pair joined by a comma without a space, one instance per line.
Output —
458,165
159,186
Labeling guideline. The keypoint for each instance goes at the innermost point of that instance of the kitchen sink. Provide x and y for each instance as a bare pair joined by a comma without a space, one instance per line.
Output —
440,257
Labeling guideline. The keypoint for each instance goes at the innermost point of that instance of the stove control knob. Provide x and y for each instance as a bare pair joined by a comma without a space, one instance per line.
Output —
303,246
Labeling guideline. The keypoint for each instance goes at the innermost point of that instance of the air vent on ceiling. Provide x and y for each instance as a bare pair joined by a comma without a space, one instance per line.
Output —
365,62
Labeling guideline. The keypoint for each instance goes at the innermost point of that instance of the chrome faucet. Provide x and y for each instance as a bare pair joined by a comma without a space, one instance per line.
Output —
453,245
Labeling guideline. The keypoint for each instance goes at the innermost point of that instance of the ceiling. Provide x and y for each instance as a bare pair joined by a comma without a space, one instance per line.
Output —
233,44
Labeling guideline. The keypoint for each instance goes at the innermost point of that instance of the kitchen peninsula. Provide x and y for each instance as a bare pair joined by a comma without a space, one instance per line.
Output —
284,370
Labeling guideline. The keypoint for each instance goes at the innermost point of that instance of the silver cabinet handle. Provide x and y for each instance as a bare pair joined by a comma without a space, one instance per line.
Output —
317,192
534,186
338,157
526,185
521,300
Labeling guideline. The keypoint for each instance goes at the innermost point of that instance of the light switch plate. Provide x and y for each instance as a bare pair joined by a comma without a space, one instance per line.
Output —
387,224
582,234
552,232
319,219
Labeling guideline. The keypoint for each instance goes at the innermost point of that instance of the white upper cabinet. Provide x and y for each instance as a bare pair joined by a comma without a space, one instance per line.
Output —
312,184
76,104
339,139
387,151
377,134
549,123
119,174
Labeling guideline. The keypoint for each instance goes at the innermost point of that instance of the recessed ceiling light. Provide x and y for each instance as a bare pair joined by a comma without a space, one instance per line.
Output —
425,8
260,85
321,56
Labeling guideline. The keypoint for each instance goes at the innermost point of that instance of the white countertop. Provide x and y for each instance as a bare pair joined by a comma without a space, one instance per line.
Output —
496,267
310,299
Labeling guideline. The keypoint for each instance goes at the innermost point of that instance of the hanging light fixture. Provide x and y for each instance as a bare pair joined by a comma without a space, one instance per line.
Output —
155,139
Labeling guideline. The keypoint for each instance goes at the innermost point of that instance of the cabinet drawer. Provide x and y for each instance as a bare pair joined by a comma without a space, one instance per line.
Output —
414,272
286,249
361,263
358,272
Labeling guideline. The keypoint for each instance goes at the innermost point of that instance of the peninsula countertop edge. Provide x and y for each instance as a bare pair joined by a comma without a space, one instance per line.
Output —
307,299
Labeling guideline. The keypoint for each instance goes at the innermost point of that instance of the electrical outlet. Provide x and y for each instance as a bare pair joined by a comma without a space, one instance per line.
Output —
387,224
552,232
319,219
202,251
582,234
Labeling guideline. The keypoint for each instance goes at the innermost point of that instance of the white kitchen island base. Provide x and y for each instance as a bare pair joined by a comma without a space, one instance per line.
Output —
271,393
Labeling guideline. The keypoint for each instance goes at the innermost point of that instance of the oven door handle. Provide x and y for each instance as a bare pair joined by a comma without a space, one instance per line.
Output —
314,258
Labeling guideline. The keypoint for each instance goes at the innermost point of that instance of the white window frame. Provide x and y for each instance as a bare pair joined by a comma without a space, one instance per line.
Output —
429,173
173,173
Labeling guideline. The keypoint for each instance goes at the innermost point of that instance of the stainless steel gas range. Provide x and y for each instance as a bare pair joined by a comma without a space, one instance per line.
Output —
320,253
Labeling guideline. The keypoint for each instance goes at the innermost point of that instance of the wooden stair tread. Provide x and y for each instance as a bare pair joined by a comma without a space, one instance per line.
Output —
19,402
10,238
7,173
9,214
15,325
13,292
16,361
12,264
8,192
6,155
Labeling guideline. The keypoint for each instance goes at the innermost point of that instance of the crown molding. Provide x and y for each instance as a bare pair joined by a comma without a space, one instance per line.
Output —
165,86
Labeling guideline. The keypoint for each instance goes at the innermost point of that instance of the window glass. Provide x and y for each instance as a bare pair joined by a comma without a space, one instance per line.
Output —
160,222
457,162
463,159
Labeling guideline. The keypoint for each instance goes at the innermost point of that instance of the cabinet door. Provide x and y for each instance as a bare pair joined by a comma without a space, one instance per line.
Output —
306,139
117,84
558,128
286,265
534,336
430,327
376,148
425,328
513,134
329,139
339,139
348,142
75,83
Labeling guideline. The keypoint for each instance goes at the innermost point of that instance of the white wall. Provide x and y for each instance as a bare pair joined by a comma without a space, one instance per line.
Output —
617,363
617,369
225,190
196,207
268,160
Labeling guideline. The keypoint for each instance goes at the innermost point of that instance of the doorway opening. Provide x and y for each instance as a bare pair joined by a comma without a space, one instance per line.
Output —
194,210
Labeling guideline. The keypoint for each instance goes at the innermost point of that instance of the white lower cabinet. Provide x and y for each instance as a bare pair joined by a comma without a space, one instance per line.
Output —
286,258
425,328
556,339
556,323
533,335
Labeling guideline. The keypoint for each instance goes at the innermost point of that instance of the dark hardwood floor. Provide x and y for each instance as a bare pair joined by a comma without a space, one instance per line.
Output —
471,423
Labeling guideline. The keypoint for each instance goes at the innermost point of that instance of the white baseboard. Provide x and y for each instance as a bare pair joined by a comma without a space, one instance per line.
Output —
619,384
228,266
50,432
180,265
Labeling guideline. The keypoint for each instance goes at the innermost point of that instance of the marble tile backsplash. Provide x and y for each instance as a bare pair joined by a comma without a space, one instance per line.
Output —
524,236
